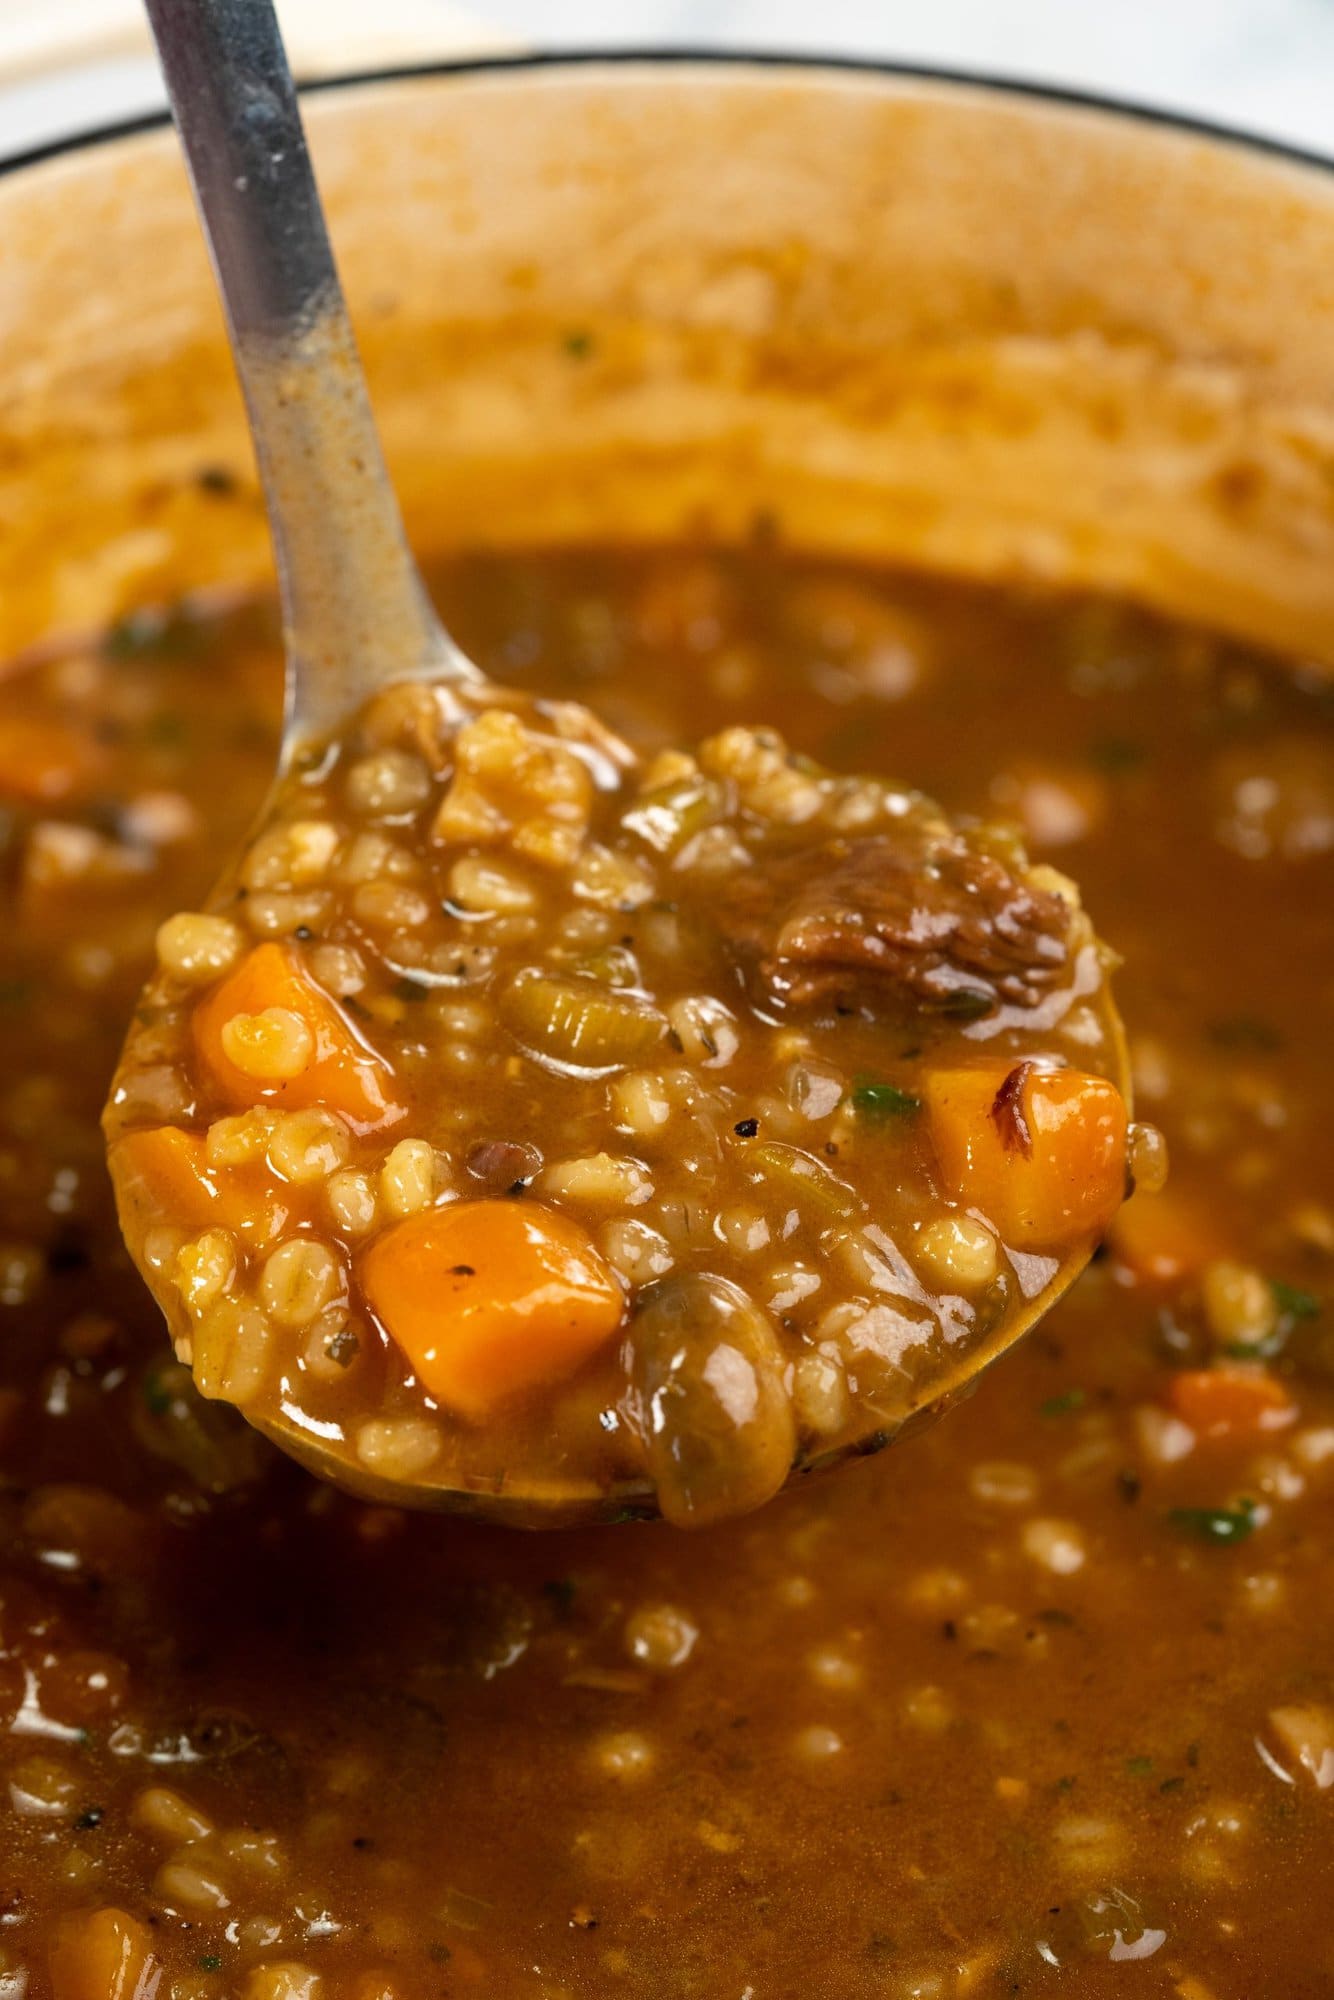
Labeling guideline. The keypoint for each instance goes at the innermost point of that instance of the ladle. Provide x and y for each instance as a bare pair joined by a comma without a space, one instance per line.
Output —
357,616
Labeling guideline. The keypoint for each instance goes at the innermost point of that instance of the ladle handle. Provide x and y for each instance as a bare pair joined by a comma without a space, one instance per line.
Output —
356,612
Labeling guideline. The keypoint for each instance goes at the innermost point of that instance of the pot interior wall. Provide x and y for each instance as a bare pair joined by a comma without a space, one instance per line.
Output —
926,322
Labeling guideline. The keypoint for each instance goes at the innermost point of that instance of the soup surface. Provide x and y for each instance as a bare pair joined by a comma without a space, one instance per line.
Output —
1041,1701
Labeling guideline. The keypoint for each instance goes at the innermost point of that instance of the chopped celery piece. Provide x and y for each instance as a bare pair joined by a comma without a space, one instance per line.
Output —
667,817
804,1179
580,1022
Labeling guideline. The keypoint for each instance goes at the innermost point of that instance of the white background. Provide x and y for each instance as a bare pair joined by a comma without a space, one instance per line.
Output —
1264,65
1267,65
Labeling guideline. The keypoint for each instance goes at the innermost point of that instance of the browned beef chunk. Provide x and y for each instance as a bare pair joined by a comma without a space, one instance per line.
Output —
913,918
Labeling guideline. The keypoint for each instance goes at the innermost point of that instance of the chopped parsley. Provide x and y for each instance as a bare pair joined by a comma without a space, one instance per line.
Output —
1116,754
879,1102
1216,1524
1062,1405
577,343
1293,1302
1246,1031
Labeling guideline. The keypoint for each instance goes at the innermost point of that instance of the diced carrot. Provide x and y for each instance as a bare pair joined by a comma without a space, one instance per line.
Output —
1229,1402
487,1298
103,1955
162,1174
1159,1239
1042,1153
344,1073
43,761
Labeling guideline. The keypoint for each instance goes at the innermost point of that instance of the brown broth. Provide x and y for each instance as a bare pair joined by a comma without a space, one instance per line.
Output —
981,1716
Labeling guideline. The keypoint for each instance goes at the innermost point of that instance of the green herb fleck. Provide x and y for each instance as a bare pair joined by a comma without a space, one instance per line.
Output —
1139,1767
1177,1784
209,1961
439,1954
165,731
1292,1302
1116,754
1062,1405
216,479
156,1397
967,1003
560,1591
159,634
1216,1524
13,992
90,1817
1246,1031
577,342
880,1101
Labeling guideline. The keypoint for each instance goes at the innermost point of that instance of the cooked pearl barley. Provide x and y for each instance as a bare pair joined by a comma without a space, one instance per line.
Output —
600,1178
372,857
1057,1545
1147,1158
640,1102
832,1669
282,912
205,1268
184,1886
272,1046
159,1810
197,948
42,1788
958,1252
390,906
788,1284
1239,1304
637,1252
743,1230
615,881
294,856
817,1743
625,1755
1089,1847
997,1482
706,1031
478,885
332,1346
236,1142
1162,1438
307,1146
408,1177
285,1981
820,1394
159,1252
352,1202
231,1350
299,1279
936,1590
398,1447
660,1636
338,968
390,783
928,1709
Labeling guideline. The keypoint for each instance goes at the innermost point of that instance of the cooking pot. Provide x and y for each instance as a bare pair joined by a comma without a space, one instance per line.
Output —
921,318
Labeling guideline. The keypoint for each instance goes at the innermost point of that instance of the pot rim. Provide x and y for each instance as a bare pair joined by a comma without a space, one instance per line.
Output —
1025,90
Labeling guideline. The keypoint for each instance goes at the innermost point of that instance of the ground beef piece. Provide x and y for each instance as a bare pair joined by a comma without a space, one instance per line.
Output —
917,915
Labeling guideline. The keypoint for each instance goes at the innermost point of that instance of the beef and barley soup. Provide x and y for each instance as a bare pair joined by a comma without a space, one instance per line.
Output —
1042,1701
550,1120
